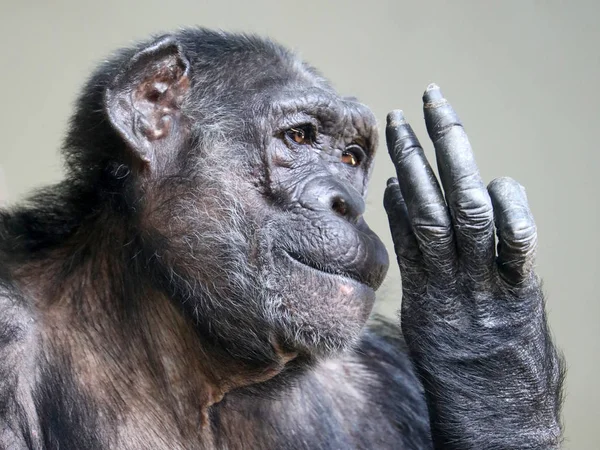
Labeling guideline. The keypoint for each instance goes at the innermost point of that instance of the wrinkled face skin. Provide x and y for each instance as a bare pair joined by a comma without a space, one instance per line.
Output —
324,261
262,209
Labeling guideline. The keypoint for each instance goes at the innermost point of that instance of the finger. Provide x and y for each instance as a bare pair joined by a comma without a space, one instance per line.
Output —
425,204
467,197
406,247
517,234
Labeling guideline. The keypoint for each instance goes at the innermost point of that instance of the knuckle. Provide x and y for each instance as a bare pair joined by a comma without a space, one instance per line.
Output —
433,232
450,128
472,209
407,255
431,223
402,141
407,149
520,235
476,216
431,215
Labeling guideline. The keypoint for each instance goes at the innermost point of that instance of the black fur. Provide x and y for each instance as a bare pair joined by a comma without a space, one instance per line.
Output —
202,276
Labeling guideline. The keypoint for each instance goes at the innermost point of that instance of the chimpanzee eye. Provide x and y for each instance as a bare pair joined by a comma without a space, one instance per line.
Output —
353,155
302,134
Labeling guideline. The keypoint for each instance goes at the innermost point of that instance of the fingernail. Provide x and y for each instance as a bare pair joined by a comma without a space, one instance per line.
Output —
433,94
391,181
395,118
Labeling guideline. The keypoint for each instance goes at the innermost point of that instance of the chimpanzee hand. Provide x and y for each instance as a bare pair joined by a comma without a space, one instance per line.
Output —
473,319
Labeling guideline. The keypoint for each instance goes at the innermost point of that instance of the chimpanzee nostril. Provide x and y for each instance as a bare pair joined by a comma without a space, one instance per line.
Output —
329,195
340,206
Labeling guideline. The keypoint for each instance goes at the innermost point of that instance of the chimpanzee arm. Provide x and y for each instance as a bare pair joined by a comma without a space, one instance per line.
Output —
473,319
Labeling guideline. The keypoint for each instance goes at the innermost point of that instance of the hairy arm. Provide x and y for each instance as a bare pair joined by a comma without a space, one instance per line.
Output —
472,316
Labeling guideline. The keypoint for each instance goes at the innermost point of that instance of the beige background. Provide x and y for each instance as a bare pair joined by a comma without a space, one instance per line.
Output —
521,73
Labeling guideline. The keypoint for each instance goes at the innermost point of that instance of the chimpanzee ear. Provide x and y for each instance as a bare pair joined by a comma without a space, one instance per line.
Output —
144,100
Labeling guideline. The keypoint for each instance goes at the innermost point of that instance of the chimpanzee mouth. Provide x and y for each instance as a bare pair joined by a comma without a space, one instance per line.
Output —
313,265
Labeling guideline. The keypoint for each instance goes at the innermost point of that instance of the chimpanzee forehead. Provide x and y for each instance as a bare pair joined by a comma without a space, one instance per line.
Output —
257,76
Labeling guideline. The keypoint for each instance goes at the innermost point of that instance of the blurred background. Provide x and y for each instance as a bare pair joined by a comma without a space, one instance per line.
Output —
521,73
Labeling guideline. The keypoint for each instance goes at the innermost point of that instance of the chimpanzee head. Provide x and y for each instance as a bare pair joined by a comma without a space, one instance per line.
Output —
243,177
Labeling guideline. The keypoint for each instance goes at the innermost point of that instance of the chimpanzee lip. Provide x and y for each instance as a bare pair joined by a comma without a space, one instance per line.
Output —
307,262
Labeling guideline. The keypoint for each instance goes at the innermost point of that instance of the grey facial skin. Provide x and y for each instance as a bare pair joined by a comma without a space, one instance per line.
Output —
203,277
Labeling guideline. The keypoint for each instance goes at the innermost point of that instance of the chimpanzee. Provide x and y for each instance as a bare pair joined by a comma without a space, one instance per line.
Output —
203,275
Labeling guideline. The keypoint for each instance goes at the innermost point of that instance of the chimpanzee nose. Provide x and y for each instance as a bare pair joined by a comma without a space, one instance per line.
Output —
325,194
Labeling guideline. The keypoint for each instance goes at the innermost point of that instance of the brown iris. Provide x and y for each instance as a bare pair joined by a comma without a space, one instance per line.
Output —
301,135
350,158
